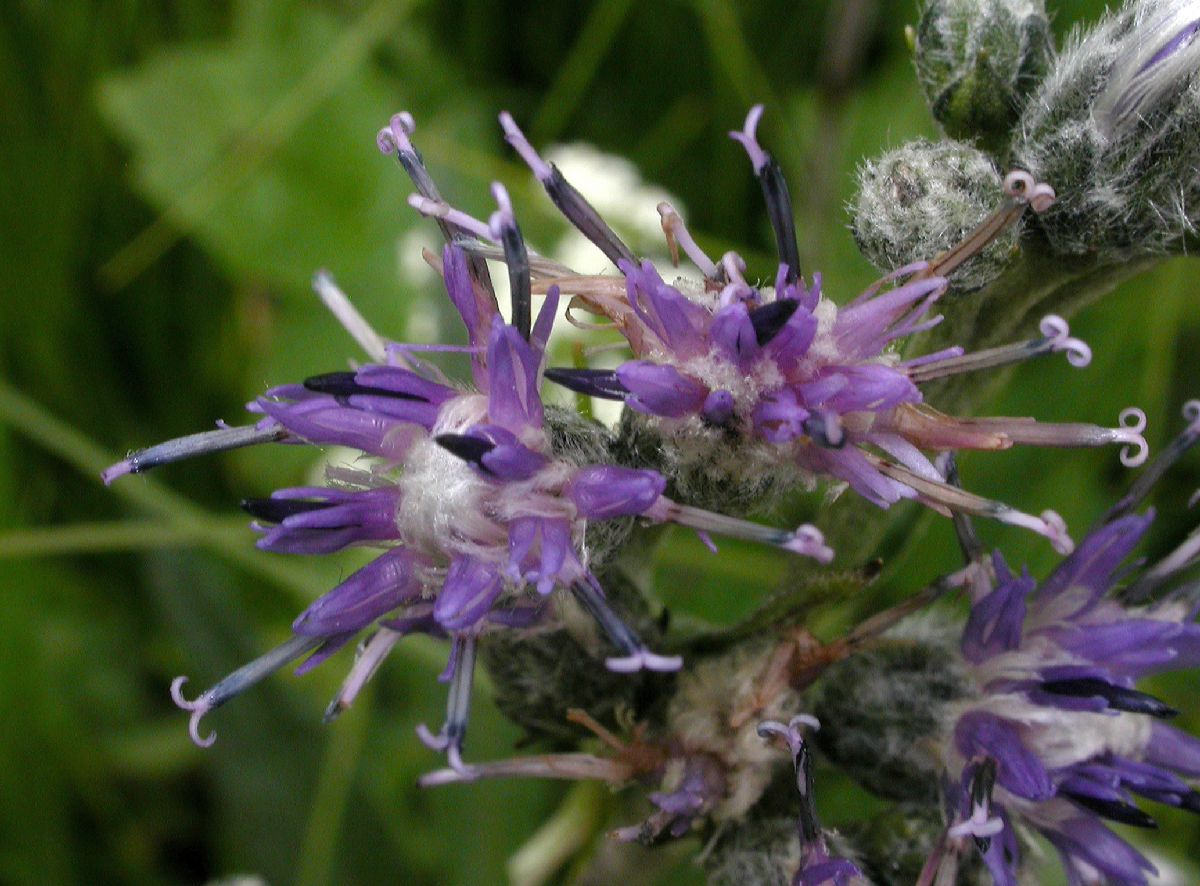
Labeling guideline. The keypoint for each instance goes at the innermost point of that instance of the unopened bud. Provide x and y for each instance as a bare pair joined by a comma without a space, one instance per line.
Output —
920,199
977,61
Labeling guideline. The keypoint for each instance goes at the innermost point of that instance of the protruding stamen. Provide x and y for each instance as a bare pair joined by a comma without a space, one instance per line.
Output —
980,825
204,443
458,706
504,228
568,767
1149,478
569,201
393,138
444,211
1118,698
1020,190
237,682
1055,329
636,656
810,826
1021,187
678,235
1028,432
370,656
1183,557
352,321
806,540
775,193
1049,524
397,133
1054,339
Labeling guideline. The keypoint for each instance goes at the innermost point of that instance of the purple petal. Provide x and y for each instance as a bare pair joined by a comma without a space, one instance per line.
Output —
350,517
867,388
1130,647
324,422
544,323
476,305
1097,556
1174,749
718,407
467,595
604,492
661,390
734,335
404,381
678,322
791,345
513,398
778,417
509,459
324,652
1003,855
379,587
852,466
1085,839
995,622
542,551
1018,769
862,327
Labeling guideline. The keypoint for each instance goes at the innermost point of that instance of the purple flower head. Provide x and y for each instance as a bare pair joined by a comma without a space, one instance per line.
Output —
477,519
1059,736
801,382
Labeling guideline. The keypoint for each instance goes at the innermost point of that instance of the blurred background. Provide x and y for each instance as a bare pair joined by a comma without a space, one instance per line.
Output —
173,174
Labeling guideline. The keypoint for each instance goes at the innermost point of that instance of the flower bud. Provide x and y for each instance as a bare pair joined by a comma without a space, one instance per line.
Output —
922,198
1115,128
881,709
977,61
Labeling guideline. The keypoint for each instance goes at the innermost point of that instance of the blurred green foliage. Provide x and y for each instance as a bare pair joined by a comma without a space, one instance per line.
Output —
173,175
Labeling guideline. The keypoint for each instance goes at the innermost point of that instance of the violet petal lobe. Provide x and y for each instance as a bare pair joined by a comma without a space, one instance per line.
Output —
379,587
661,390
602,492
1018,770
513,398
735,336
468,592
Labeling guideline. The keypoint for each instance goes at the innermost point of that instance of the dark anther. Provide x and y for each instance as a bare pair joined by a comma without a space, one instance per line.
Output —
466,447
1190,801
779,209
276,510
1114,810
343,384
583,216
1118,697
770,318
520,283
601,383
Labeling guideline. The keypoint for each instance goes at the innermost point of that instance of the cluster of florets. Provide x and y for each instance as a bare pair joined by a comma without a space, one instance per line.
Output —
1058,737
492,512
